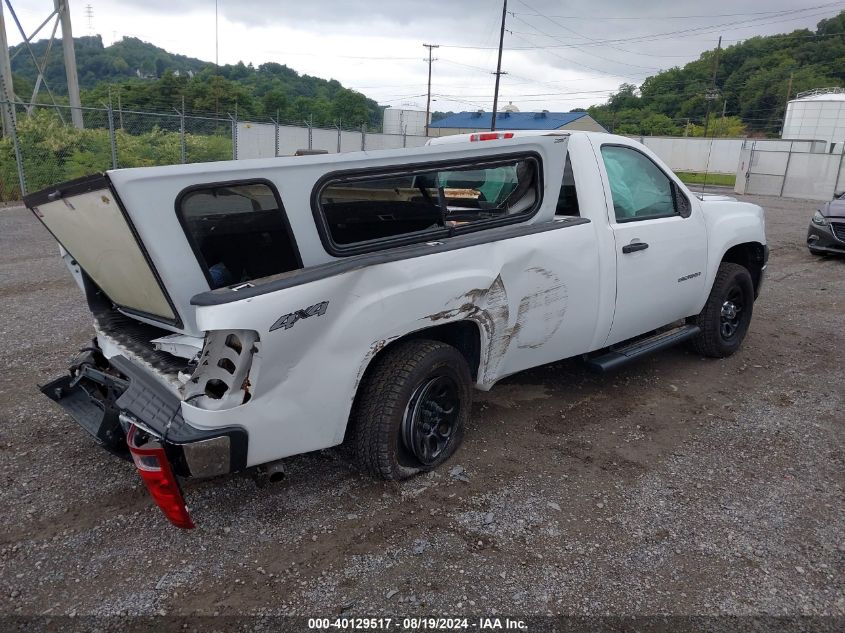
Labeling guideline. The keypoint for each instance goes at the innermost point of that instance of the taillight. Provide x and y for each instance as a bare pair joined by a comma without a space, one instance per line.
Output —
156,473
490,136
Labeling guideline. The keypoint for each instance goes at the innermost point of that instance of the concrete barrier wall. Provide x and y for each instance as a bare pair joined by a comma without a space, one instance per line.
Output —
258,140
718,156
765,166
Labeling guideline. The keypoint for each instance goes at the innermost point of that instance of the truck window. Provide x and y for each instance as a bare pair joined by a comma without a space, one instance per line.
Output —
639,188
370,211
567,201
238,232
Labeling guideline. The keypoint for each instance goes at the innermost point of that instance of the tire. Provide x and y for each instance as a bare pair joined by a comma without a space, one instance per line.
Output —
723,329
816,253
409,386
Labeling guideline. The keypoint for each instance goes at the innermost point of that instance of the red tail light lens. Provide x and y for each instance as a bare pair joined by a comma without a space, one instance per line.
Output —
156,473
490,136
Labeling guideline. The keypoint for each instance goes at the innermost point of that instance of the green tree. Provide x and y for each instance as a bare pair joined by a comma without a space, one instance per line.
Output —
656,124
752,82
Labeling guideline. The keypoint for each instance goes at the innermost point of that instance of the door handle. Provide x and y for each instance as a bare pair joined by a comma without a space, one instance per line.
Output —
633,247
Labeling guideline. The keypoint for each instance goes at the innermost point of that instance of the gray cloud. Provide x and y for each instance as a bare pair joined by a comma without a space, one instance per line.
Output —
557,53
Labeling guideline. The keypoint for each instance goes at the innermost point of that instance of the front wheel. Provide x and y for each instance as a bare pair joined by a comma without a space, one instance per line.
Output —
411,409
726,316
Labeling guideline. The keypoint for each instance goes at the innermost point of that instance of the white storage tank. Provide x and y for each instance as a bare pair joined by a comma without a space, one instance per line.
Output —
404,121
816,115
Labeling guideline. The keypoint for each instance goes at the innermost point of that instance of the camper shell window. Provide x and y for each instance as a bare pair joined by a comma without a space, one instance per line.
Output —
364,211
238,231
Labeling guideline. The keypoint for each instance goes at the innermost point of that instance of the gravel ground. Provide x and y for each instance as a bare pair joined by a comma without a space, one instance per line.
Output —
677,485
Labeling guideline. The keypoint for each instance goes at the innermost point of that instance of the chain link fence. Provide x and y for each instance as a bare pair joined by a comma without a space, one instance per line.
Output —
44,148
814,170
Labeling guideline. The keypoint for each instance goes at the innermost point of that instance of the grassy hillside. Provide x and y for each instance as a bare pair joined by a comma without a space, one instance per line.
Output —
753,78
147,77
95,63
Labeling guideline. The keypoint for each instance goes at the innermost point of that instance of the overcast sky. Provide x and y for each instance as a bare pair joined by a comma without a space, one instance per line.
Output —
558,55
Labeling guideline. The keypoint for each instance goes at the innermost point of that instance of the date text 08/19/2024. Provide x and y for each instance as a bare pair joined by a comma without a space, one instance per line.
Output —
418,624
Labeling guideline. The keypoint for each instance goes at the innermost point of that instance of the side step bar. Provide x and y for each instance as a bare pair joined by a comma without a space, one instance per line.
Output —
641,347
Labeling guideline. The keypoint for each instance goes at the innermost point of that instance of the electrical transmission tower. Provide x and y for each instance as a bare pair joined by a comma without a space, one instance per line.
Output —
61,13
89,15
7,94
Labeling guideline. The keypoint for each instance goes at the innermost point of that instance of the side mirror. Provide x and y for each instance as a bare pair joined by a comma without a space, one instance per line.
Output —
683,207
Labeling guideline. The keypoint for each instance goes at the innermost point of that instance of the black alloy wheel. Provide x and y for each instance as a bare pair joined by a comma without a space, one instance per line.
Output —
730,318
431,418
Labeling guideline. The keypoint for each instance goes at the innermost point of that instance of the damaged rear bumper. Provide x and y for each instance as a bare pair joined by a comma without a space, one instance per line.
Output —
108,401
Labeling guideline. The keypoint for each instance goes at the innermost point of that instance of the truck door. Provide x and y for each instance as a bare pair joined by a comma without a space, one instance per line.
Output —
661,244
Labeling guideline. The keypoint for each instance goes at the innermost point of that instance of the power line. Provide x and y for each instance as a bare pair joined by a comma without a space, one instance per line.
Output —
727,26
573,62
670,17
566,28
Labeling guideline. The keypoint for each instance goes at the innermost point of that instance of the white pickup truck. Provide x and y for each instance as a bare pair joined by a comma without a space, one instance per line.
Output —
252,310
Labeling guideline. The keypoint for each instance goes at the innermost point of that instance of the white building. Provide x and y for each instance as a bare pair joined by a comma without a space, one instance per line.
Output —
816,115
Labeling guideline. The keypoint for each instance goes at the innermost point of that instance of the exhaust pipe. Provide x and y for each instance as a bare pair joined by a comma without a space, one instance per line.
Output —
271,472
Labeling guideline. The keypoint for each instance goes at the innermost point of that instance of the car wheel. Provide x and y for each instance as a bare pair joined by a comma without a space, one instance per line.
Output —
411,409
726,316
816,253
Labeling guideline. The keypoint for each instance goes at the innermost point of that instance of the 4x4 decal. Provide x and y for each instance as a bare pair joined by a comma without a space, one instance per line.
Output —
288,320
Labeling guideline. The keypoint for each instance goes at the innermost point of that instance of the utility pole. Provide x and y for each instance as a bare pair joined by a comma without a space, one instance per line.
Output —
63,10
7,92
722,124
216,38
712,92
786,106
216,65
428,100
499,66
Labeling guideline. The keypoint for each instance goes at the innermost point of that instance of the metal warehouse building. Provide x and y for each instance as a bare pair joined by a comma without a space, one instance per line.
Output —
464,122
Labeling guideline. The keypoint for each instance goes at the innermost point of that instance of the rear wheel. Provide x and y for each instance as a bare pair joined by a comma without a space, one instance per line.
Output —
411,409
726,316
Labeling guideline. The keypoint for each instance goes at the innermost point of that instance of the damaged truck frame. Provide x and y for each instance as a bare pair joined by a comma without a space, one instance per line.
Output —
246,311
